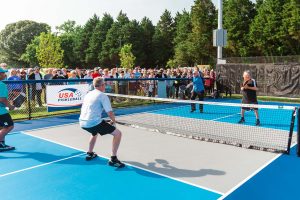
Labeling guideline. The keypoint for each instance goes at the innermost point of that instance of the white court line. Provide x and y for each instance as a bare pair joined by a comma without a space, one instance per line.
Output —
225,117
147,170
46,127
251,176
41,165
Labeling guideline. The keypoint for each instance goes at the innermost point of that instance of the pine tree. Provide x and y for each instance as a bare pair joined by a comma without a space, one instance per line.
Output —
238,15
109,56
183,29
98,37
148,30
203,19
163,39
84,39
290,30
266,27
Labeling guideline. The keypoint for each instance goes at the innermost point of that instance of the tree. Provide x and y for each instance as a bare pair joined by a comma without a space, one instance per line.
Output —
181,43
238,15
126,56
148,31
203,20
85,36
29,56
163,39
98,37
133,34
69,34
290,30
16,36
67,27
112,45
49,52
265,31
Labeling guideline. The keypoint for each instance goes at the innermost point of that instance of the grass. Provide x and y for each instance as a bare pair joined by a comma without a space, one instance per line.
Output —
38,113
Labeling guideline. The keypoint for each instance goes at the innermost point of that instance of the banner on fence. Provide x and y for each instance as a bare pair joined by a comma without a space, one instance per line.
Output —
65,97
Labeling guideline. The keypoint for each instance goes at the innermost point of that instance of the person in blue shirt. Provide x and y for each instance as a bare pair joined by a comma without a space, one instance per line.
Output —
198,90
14,88
5,119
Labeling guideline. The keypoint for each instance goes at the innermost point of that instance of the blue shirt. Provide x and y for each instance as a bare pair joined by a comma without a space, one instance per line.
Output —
198,84
3,94
137,75
15,86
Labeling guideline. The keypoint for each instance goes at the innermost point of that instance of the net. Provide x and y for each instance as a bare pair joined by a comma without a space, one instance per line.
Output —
218,122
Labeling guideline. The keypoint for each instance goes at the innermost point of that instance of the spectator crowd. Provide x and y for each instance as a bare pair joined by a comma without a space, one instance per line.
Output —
131,80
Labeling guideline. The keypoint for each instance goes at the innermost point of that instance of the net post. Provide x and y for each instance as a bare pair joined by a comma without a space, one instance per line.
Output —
298,133
291,130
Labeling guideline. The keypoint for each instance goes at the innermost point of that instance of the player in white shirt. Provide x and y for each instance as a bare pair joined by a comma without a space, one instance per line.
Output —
91,120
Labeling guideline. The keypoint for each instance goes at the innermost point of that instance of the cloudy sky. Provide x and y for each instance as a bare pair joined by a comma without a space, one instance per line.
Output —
55,12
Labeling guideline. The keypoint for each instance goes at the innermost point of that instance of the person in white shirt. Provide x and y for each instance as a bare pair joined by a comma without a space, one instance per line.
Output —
91,120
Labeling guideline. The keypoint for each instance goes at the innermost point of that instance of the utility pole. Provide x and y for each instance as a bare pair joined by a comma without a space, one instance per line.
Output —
220,35
220,27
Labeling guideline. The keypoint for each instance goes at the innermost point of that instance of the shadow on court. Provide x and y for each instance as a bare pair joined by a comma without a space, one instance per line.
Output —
163,167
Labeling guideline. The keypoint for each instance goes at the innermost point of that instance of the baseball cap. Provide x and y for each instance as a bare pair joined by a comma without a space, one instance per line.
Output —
3,70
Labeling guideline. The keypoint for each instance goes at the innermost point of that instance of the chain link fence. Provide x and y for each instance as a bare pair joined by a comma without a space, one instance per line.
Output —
30,96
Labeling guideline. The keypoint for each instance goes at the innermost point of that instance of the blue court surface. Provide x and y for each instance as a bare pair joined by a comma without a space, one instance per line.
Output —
50,171
41,169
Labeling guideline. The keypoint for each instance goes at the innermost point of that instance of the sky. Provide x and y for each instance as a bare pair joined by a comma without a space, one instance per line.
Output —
55,12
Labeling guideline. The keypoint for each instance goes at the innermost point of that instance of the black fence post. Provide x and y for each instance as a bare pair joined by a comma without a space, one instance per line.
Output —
29,100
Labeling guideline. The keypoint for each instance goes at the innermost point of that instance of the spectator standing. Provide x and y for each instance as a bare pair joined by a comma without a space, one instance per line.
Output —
56,75
79,73
73,76
14,88
64,73
122,84
48,75
88,75
132,85
108,84
36,88
96,74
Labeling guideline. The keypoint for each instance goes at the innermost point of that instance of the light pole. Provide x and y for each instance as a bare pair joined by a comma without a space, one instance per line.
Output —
220,27
220,35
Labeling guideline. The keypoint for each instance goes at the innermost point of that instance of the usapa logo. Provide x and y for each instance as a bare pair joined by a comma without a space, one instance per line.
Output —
69,94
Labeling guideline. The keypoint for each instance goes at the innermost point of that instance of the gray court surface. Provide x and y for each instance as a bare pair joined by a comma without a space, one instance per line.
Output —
216,166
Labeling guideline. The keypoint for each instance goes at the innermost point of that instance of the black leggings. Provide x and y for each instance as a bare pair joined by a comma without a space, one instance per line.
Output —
200,96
